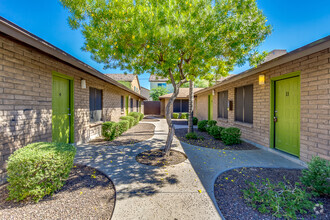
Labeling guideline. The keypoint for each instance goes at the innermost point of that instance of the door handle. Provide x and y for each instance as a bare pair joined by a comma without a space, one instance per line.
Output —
275,119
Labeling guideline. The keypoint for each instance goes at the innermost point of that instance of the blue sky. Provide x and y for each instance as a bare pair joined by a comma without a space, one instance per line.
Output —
295,23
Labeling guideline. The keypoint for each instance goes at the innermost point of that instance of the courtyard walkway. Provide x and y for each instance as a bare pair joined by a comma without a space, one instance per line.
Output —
183,191
147,192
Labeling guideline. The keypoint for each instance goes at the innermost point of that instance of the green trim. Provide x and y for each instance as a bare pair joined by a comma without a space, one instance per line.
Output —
71,81
126,102
54,73
210,107
272,102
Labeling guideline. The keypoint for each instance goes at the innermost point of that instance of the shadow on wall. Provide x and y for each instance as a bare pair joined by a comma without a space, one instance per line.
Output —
119,163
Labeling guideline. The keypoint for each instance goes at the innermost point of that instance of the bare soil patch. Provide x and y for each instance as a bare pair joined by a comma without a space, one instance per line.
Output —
87,194
157,158
210,142
229,197
137,133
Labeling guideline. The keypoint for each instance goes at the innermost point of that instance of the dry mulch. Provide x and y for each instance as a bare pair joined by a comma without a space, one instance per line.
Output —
210,142
137,133
87,194
157,158
228,186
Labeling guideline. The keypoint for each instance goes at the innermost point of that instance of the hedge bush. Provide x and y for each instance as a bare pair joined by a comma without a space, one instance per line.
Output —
175,115
317,176
109,130
215,131
195,121
191,135
184,115
201,125
136,117
130,119
39,169
123,126
141,116
231,136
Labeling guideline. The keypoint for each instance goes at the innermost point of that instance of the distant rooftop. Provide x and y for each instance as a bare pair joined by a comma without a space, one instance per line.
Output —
274,54
183,93
154,78
121,76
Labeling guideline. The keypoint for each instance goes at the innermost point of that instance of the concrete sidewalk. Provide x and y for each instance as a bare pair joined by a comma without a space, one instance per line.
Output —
146,192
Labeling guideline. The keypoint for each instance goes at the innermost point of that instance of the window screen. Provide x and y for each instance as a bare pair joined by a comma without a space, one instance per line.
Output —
122,103
244,104
131,104
184,105
95,104
137,105
223,104
177,106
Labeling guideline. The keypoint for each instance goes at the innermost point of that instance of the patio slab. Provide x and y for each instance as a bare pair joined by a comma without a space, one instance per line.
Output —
146,192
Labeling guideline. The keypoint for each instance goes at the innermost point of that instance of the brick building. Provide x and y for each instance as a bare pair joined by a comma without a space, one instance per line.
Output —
283,103
48,95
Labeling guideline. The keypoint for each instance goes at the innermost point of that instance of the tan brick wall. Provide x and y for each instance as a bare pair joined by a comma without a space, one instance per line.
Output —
314,111
26,98
135,84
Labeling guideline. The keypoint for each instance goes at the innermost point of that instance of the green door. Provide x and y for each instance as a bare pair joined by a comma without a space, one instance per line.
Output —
210,107
287,115
61,110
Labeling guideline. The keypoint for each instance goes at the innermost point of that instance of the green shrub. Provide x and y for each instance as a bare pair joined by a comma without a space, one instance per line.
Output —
280,200
109,130
39,169
184,115
175,115
136,117
202,125
195,121
141,116
123,126
211,123
317,176
130,119
231,136
215,131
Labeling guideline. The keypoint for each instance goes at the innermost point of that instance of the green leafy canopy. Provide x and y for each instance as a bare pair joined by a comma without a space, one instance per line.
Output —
188,38
158,91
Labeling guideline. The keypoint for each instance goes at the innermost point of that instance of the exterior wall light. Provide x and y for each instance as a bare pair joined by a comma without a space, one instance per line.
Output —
83,83
213,92
262,79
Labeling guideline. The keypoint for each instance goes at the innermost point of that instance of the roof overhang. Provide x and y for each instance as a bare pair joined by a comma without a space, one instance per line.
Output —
26,37
308,49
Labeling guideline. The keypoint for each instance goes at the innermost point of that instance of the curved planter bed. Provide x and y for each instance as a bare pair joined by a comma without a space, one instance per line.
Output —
87,194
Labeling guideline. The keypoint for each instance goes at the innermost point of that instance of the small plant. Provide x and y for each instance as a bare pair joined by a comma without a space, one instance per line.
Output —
136,117
202,125
231,136
39,169
280,200
191,135
317,176
175,115
195,121
184,115
123,126
215,131
109,130
210,124
130,119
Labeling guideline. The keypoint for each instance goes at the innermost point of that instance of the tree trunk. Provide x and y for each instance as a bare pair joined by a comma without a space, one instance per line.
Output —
191,107
169,106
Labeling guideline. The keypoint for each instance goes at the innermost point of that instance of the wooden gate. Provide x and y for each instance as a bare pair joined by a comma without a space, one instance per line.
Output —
152,107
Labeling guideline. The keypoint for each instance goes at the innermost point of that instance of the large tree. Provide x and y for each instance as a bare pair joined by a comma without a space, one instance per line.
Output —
175,39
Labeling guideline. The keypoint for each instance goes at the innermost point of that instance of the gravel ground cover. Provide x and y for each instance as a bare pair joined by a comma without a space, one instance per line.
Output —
210,142
138,133
228,186
87,194
157,158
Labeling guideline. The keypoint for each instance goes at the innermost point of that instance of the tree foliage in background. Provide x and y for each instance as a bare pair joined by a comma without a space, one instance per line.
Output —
158,91
177,39
198,83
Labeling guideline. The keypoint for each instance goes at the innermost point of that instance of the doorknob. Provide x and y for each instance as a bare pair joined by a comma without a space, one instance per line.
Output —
275,119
